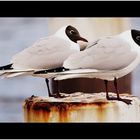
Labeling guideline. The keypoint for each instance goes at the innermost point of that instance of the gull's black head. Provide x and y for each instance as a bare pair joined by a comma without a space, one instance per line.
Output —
136,36
73,34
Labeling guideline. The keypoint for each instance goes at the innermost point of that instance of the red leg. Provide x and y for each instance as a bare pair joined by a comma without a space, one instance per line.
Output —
47,83
127,101
106,89
58,95
107,95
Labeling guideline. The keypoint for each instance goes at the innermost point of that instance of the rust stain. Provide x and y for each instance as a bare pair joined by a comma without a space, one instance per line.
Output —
63,113
61,106
100,113
46,116
39,110
41,105
36,116
27,115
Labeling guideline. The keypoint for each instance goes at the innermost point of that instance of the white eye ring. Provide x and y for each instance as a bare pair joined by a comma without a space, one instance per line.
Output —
138,37
72,31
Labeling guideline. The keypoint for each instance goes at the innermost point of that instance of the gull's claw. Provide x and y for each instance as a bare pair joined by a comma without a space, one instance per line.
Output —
127,101
59,96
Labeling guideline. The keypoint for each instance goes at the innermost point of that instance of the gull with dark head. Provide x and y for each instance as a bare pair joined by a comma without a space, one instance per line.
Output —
108,58
47,53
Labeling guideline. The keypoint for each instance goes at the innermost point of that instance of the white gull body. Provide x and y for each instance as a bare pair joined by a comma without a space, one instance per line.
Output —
47,53
107,58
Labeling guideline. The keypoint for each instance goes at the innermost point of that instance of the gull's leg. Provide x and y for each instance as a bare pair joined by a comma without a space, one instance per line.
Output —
58,95
127,101
106,88
47,83
116,88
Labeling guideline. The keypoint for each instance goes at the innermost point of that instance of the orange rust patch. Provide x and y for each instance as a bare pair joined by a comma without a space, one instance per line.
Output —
61,106
80,108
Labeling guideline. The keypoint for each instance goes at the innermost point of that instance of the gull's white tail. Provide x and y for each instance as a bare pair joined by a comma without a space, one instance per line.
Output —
14,73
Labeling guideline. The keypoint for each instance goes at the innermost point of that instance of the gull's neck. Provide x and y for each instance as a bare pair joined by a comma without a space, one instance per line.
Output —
128,38
61,34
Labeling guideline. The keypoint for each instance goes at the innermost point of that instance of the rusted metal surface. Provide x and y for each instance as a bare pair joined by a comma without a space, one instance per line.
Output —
80,108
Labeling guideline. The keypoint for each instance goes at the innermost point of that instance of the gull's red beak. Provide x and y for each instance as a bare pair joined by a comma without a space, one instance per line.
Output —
82,39
82,42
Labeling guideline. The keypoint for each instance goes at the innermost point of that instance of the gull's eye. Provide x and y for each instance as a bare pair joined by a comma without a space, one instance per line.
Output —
138,37
72,32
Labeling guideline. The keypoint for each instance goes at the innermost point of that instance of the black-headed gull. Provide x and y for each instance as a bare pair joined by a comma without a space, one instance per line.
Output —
47,53
108,58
